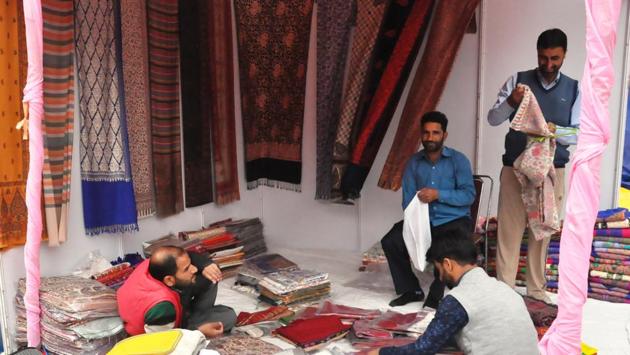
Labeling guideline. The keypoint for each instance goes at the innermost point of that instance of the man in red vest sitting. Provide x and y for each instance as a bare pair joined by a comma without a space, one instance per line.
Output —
174,289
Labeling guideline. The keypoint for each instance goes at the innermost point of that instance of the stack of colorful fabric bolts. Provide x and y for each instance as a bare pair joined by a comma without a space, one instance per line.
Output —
609,275
248,231
79,315
551,267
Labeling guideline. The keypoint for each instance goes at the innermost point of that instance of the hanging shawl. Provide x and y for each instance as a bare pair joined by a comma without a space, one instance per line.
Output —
223,129
108,201
534,167
58,124
136,84
14,158
196,97
583,198
334,22
273,41
381,97
370,16
162,29
447,30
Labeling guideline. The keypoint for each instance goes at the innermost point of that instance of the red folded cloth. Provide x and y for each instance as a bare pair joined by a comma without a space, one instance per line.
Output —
306,333
271,313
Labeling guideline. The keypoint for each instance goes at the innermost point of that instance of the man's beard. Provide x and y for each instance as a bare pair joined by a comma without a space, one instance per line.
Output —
181,284
432,147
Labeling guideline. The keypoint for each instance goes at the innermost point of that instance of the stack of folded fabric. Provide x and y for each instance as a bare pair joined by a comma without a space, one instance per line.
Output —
390,329
115,276
248,231
373,256
313,333
551,266
491,234
294,286
346,313
171,240
257,267
79,315
609,276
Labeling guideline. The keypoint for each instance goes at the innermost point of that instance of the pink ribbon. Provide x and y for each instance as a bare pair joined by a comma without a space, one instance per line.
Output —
33,95
564,336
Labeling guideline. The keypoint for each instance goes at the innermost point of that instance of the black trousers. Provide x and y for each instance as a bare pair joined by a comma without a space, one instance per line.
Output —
199,308
400,264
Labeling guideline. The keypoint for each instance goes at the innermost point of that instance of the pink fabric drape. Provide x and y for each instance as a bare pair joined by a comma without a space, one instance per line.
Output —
33,96
583,197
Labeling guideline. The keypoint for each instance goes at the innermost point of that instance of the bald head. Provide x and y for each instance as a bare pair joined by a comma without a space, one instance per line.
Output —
163,261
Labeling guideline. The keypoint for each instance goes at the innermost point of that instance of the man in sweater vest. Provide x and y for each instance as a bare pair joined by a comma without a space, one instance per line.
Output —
559,100
174,289
483,315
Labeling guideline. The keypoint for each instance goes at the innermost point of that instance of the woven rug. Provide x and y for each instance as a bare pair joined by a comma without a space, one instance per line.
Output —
108,200
58,124
14,151
162,31
221,65
273,41
334,22
401,39
241,345
370,15
136,80
196,97
445,35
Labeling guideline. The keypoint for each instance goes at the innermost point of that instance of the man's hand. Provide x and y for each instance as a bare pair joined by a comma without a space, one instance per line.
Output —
212,329
212,273
516,96
428,195
551,126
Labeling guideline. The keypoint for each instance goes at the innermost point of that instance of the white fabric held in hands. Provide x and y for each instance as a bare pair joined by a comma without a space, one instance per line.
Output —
417,232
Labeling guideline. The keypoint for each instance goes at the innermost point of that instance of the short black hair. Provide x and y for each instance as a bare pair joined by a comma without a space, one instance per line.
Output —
164,262
435,116
454,244
552,38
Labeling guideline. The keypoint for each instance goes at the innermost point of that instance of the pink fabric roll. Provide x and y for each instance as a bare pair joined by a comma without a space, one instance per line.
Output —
33,95
583,197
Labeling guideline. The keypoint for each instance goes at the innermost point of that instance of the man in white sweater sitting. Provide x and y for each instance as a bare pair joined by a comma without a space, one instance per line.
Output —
483,315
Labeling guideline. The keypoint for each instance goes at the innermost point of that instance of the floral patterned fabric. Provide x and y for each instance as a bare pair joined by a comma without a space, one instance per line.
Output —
534,168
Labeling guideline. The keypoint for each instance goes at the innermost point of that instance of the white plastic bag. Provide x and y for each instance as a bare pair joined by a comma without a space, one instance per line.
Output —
417,232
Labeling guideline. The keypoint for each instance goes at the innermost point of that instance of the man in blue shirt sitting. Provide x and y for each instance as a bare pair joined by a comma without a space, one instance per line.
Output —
441,177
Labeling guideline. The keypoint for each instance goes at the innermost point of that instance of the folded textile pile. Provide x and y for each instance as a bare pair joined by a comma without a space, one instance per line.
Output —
372,256
269,314
79,315
248,231
257,267
115,276
551,266
313,333
293,286
609,274
391,324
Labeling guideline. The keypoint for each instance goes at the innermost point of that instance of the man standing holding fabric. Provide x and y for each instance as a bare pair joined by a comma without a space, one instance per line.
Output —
441,177
559,100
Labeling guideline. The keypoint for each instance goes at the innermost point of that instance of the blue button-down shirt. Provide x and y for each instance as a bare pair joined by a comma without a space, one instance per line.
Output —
451,175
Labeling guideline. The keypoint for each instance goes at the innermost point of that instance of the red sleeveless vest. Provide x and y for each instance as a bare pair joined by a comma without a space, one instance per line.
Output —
141,292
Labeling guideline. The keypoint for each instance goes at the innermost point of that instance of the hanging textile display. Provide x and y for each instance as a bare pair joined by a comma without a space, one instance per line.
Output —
564,335
108,200
380,100
34,111
136,84
196,101
58,123
13,150
369,19
163,41
334,22
273,42
447,30
223,123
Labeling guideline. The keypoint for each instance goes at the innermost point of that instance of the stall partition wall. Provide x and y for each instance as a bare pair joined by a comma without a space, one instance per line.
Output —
484,61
